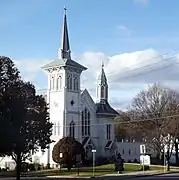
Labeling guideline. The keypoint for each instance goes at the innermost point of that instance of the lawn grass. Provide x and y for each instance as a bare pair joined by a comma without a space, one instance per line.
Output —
83,171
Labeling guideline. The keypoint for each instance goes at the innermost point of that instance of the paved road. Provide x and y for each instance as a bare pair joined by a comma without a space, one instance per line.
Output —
172,176
159,177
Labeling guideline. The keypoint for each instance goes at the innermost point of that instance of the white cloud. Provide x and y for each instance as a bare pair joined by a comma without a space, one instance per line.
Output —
142,1
140,67
127,73
30,65
31,69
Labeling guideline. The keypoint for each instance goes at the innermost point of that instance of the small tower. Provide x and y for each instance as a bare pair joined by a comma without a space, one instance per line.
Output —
102,87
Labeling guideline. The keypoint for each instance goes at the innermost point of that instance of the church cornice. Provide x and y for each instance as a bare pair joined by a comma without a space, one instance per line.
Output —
59,68
54,69
72,69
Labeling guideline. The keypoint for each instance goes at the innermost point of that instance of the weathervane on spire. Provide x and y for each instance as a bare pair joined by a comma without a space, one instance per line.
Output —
65,9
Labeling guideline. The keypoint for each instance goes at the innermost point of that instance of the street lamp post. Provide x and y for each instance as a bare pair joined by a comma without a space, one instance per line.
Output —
93,151
48,157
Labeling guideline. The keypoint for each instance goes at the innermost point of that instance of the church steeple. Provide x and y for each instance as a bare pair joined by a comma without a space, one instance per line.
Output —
102,88
64,51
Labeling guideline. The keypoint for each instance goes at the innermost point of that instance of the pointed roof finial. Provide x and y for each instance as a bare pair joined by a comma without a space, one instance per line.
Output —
65,10
102,64
65,52
102,76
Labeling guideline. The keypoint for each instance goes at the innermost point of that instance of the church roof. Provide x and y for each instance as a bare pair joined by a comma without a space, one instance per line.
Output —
63,63
105,108
102,77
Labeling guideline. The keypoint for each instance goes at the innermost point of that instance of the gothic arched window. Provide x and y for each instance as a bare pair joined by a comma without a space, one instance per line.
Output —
85,123
53,82
102,91
88,122
82,119
108,131
75,85
72,129
106,92
59,82
68,82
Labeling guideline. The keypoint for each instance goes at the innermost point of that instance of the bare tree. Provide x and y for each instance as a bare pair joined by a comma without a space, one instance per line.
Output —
125,129
158,107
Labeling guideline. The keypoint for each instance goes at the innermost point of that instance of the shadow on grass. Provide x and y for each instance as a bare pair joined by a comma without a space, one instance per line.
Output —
83,172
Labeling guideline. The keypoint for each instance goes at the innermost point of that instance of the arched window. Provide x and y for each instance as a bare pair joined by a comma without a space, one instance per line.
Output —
88,123
85,123
53,82
72,129
59,82
102,91
108,132
75,85
68,82
106,92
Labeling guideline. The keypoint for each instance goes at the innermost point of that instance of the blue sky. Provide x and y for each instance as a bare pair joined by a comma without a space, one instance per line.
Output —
30,31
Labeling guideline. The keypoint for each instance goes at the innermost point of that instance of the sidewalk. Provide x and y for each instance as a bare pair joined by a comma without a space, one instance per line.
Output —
136,174
104,177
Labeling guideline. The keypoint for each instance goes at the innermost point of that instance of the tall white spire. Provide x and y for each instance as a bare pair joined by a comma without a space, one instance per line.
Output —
64,51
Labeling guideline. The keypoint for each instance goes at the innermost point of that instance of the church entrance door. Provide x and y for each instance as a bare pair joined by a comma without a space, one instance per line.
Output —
89,155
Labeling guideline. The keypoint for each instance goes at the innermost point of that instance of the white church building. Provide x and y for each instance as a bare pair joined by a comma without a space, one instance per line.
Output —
72,110
74,113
